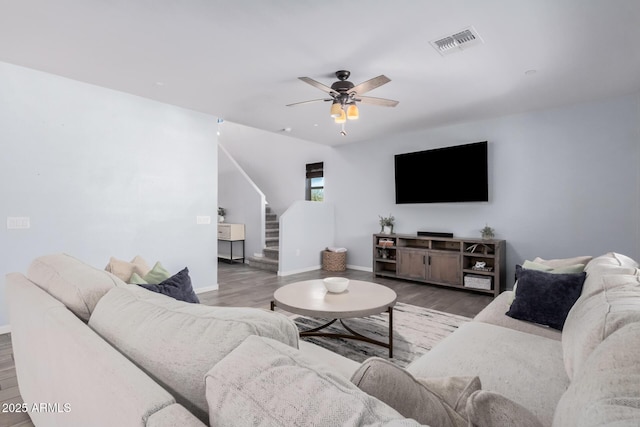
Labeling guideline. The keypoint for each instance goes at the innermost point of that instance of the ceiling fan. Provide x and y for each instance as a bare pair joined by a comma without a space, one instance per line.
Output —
344,95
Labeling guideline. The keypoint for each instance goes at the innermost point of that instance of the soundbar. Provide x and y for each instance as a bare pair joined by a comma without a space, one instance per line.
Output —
434,234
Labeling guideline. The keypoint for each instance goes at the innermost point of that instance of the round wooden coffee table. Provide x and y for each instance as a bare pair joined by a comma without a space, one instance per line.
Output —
361,299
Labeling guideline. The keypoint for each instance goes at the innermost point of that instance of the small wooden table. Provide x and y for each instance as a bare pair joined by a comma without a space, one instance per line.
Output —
361,299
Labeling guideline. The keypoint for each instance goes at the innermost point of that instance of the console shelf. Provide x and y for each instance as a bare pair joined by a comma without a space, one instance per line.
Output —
472,264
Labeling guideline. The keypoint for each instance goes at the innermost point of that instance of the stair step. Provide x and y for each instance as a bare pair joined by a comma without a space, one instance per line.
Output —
270,225
272,233
272,241
271,217
271,253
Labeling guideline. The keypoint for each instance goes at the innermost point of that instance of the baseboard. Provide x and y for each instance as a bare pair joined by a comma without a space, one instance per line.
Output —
302,270
359,268
5,329
206,289
319,267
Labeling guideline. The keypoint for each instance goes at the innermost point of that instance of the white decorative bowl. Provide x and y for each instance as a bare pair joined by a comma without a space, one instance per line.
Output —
336,284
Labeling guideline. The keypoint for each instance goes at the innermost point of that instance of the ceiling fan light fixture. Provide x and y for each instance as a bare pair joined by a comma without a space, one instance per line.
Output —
342,117
352,112
336,110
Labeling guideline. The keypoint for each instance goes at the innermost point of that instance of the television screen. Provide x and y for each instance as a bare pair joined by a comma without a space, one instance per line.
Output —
449,174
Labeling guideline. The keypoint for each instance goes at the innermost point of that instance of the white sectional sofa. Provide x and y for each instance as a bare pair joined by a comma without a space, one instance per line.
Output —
117,354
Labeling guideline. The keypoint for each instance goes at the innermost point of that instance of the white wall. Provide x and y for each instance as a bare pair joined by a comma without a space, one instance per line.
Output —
563,182
244,204
306,229
102,173
276,163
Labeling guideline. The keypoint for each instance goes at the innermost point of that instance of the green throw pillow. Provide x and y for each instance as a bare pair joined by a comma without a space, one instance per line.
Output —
157,275
137,280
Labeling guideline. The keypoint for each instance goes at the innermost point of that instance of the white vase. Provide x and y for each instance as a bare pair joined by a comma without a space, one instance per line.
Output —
386,229
220,218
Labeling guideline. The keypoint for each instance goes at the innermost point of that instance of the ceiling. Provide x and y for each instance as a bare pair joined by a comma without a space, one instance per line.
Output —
240,59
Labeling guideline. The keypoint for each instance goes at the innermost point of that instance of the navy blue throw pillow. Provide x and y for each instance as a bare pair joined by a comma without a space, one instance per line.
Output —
177,286
545,298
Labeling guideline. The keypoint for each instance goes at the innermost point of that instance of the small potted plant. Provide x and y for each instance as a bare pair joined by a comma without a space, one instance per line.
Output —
487,232
221,213
386,224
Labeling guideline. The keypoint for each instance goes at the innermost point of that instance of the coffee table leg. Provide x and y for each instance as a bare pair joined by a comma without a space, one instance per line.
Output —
273,305
390,332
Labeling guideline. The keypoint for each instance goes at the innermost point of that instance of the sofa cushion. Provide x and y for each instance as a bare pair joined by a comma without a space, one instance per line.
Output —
611,259
571,268
176,342
123,269
431,401
525,368
77,285
177,286
263,382
606,391
563,262
544,297
495,314
594,318
489,409
594,284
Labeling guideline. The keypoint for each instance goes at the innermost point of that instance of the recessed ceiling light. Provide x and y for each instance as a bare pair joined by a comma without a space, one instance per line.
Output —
159,83
530,72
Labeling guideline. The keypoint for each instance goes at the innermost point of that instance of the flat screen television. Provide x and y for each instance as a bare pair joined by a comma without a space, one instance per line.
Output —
443,175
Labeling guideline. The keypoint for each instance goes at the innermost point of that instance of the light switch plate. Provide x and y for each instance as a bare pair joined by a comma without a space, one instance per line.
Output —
18,222
203,219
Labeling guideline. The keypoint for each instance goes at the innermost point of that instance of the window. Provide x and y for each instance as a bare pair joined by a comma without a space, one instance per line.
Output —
315,182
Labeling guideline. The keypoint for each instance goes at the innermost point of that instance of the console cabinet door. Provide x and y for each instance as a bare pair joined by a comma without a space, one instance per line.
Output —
411,263
445,268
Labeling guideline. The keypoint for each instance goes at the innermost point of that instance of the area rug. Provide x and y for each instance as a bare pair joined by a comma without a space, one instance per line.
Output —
415,331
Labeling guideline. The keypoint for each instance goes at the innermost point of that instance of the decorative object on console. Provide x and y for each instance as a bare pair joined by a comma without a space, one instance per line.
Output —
544,297
487,232
221,214
386,224
480,248
386,243
435,234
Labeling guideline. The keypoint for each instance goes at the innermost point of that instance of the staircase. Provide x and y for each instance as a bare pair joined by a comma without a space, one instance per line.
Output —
270,254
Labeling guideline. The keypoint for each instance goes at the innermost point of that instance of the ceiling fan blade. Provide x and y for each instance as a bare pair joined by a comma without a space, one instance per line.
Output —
377,101
318,85
310,101
371,84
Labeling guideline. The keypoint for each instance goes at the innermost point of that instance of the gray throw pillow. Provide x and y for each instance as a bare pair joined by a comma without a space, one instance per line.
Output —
433,401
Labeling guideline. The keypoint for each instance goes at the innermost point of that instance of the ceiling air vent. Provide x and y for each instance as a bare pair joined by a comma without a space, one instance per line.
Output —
457,42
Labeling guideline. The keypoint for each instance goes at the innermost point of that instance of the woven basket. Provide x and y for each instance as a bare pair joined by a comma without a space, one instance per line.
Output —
334,261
